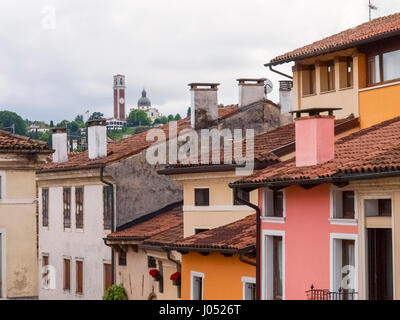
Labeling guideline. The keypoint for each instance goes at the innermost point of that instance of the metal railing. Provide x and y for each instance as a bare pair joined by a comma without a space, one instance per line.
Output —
325,294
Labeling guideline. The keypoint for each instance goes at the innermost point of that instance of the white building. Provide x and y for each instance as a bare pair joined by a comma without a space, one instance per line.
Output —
75,214
144,104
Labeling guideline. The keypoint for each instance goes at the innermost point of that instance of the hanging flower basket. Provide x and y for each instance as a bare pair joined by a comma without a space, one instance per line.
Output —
176,278
155,274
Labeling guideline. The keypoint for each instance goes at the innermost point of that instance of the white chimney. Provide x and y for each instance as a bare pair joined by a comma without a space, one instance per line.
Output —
250,91
97,138
285,96
204,105
60,145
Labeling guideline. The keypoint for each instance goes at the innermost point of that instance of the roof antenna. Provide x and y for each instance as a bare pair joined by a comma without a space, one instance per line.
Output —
371,7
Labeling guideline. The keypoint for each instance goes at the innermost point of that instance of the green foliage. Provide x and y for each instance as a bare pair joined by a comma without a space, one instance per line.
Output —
115,292
8,119
118,134
51,124
178,117
138,118
96,115
171,118
188,112
63,124
161,120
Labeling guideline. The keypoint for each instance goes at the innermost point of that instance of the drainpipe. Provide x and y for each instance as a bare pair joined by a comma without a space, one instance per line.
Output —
112,219
258,244
178,268
280,73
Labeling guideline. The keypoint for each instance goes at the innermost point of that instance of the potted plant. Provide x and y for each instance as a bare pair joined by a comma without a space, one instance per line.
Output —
155,274
176,278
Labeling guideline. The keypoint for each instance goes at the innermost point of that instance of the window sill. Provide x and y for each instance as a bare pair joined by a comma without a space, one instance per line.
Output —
347,88
343,222
67,230
326,92
273,219
379,85
308,95
79,230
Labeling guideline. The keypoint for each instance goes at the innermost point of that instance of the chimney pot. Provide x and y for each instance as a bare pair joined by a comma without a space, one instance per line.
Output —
60,145
204,105
97,138
285,96
251,90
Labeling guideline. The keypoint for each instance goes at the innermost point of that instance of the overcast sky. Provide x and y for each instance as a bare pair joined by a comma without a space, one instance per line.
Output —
55,66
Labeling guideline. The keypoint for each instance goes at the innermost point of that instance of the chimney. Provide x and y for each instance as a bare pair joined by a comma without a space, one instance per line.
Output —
204,105
315,136
285,96
97,138
250,91
60,145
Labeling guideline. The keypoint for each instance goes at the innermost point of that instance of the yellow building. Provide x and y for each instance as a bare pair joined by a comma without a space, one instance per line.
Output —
20,157
356,70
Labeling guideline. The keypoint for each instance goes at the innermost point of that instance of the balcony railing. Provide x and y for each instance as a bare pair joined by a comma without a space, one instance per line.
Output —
325,294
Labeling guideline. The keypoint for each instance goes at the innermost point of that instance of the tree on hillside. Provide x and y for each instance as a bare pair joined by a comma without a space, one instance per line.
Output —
161,120
188,112
171,118
10,119
178,117
51,124
138,118
96,115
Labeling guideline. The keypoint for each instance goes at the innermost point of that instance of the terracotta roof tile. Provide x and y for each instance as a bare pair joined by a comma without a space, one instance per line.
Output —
236,236
375,149
127,147
365,31
15,143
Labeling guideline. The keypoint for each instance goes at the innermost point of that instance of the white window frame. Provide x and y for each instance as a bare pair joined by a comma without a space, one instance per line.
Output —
199,275
342,236
340,221
245,281
270,219
266,262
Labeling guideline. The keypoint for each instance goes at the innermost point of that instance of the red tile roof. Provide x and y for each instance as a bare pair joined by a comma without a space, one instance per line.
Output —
127,147
15,143
237,236
161,227
368,31
372,150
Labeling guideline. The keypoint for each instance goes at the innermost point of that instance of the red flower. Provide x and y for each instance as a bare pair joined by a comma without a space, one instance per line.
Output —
154,273
175,276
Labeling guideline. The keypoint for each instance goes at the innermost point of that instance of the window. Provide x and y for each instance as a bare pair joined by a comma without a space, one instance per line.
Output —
273,205
122,258
151,263
308,80
67,274
383,67
346,72
378,207
344,270
202,197
107,276
79,276
196,285
249,288
200,230
67,207
327,70
273,289
108,206
391,65
343,204
240,193
45,207
79,207
45,263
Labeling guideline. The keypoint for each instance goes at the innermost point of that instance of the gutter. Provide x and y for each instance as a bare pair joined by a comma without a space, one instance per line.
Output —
280,73
258,244
112,219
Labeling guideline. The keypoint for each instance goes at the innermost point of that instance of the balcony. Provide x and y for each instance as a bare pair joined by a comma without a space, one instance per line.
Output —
325,294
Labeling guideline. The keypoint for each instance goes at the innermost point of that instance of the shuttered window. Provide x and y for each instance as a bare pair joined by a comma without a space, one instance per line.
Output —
45,207
67,274
67,207
107,276
79,277
79,207
108,207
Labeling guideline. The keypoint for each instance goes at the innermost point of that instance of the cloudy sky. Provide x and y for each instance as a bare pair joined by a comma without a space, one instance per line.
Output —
57,57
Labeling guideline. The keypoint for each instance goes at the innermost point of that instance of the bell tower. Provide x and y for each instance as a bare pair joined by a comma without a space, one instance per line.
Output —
119,97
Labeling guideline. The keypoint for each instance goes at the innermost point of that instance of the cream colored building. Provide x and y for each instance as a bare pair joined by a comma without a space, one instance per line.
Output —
20,157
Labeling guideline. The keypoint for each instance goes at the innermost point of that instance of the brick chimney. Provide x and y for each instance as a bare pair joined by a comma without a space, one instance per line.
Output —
250,90
204,105
315,136
285,96
97,138
60,145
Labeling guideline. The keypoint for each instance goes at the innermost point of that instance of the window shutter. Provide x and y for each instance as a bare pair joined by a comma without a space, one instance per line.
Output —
337,204
268,202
